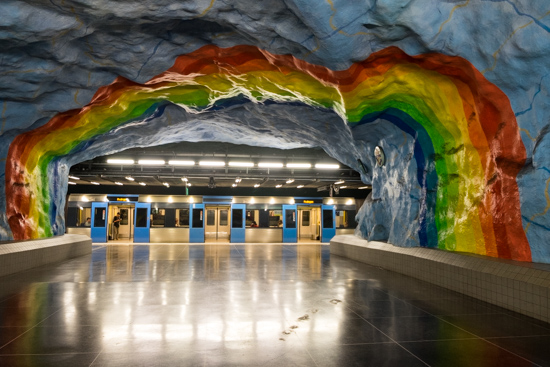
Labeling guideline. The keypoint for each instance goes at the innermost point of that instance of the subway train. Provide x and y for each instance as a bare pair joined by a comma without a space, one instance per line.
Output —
210,219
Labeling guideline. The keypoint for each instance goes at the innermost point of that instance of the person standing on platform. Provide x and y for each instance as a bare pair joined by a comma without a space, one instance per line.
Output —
116,224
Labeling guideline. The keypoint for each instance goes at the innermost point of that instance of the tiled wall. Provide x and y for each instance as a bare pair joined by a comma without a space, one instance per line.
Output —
517,286
19,256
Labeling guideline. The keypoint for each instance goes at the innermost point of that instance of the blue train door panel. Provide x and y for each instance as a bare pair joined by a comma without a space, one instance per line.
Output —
328,223
142,222
237,222
290,232
196,223
99,222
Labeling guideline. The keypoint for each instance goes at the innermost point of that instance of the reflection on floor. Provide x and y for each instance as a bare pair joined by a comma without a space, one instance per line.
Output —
249,305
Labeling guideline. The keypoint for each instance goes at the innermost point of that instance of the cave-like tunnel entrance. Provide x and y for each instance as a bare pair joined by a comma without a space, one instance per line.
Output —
466,147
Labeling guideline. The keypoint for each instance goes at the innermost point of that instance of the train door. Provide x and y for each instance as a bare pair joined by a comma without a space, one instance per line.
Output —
328,229
290,232
142,223
217,228
309,219
126,224
196,223
237,223
99,222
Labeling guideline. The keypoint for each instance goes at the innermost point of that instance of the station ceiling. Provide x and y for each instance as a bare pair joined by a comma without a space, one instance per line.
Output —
98,172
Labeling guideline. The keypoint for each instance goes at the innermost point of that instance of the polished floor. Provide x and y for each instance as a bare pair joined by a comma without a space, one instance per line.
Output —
249,305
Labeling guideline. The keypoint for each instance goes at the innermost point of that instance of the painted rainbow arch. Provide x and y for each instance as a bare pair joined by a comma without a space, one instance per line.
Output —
463,125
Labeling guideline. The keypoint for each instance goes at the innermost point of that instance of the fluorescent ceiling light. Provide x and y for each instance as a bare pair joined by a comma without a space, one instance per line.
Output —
166,184
119,183
279,185
234,185
298,165
339,182
257,185
365,187
143,184
130,178
72,183
74,178
212,163
94,183
327,166
188,184
120,161
181,163
184,179
270,165
151,162
241,164
289,181
343,187
238,179
299,186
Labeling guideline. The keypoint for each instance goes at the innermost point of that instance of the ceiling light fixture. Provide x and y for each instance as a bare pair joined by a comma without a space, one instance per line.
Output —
279,185
327,166
94,183
339,182
289,181
130,178
234,185
181,163
270,165
343,187
184,179
166,184
298,165
212,163
120,161
151,162
238,180
72,183
299,186
189,184
143,184
74,178
119,183
256,185
365,187
241,164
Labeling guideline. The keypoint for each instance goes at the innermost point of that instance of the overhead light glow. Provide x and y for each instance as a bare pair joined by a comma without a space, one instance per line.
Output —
120,161
234,185
289,181
291,201
74,178
365,187
143,184
299,186
151,162
166,184
241,164
330,201
85,198
343,187
339,182
118,183
238,179
72,183
212,163
298,165
184,179
279,185
327,166
189,184
170,199
149,199
130,178
181,163
271,201
270,165
94,183
256,185
349,202
252,201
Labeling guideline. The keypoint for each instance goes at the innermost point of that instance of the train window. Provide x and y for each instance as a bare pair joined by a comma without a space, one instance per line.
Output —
211,217
157,217
237,218
253,218
197,218
224,217
141,217
345,219
290,216
77,217
99,217
328,221
305,218
182,218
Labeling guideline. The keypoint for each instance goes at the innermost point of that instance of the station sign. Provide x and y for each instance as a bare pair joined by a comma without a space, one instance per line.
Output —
123,199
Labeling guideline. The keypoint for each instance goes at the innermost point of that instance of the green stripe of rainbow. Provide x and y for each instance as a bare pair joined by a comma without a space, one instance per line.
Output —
467,123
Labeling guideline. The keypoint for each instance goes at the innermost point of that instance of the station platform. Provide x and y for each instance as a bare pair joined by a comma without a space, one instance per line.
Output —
249,305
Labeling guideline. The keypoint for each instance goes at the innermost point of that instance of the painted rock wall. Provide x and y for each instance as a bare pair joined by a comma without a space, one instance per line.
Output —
454,93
